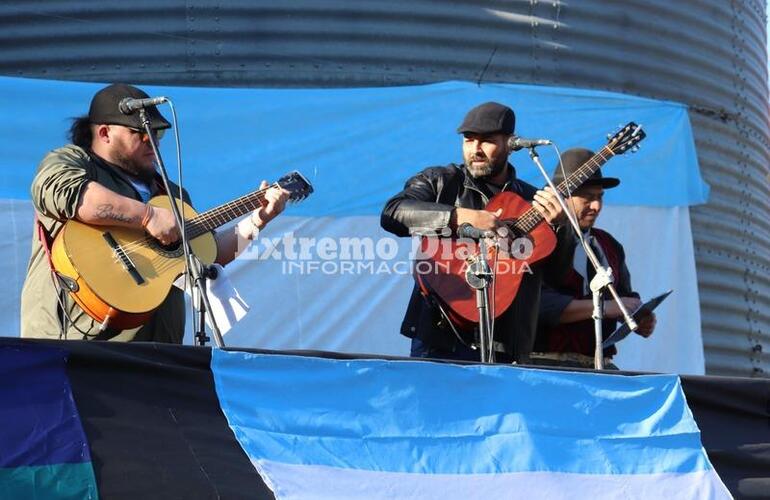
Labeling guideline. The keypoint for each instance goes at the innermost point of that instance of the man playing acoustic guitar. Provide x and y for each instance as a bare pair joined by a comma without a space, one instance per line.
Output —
105,178
448,197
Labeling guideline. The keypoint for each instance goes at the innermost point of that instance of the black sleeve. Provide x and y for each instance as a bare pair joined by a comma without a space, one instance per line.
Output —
558,264
552,305
416,207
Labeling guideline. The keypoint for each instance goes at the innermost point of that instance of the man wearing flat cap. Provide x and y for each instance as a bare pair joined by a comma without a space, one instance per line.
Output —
105,178
565,335
440,200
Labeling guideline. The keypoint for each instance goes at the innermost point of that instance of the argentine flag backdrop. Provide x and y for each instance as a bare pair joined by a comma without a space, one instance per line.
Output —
347,290
323,428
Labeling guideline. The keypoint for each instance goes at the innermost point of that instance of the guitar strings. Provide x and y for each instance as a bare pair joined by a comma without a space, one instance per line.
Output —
159,263
199,224
196,226
532,217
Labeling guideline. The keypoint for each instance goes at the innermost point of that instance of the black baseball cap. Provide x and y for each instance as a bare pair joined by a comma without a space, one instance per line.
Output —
573,159
105,108
489,118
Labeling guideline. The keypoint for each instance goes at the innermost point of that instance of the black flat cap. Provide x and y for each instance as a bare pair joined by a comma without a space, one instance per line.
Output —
573,159
105,108
489,118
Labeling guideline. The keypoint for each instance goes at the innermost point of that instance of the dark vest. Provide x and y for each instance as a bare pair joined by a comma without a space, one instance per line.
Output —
579,336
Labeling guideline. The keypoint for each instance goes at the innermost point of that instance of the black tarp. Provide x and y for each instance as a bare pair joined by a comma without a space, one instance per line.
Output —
156,430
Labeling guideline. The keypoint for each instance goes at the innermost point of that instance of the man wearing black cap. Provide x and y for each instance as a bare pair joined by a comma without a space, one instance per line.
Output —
565,335
441,199
105,177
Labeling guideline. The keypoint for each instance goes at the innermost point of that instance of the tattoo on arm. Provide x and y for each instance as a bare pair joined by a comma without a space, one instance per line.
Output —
107,212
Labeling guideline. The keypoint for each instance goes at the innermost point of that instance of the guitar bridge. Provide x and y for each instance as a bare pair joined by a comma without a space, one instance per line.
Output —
128,265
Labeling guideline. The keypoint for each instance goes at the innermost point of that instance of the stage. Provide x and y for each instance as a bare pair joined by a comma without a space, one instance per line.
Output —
155,429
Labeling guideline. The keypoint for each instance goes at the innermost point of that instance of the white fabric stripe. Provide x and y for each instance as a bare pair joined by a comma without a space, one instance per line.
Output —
363,312
290,482
660,256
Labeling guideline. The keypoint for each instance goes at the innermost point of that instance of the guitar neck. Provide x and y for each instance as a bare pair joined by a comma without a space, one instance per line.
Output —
221,215
531,218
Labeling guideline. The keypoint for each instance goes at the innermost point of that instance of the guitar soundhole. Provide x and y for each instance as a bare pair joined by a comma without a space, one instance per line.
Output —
171,251
512,230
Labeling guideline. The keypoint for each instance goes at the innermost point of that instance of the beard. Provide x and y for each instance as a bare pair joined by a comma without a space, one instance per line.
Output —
488,168
145,173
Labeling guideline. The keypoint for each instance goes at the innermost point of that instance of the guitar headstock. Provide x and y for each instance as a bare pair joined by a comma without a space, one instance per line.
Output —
298,187
627,138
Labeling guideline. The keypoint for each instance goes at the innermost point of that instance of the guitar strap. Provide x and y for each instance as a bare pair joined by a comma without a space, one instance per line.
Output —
61,286
45,240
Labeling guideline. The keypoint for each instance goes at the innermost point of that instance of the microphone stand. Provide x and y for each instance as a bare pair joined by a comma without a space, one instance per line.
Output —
196,270
479,276
602,279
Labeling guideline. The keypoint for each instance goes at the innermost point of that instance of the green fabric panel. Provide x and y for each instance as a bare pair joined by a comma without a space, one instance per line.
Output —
44,482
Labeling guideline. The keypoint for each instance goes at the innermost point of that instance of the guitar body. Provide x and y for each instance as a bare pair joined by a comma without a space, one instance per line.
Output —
119,276
442,273
103,285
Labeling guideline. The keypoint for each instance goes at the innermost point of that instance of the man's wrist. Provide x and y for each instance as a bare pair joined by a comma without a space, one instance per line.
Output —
148,213
248,229
255,228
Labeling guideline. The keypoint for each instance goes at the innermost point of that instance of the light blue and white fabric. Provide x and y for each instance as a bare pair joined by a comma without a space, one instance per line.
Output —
349,289
324,428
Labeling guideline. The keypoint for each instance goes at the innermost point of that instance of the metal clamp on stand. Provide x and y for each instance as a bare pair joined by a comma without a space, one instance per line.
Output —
602,279
479,276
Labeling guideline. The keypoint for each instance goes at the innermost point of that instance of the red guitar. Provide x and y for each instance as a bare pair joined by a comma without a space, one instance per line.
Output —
441,267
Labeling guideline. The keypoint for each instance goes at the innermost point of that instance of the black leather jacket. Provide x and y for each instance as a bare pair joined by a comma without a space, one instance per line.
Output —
426,203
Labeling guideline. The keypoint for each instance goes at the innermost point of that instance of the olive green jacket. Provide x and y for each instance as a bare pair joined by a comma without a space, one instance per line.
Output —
56,191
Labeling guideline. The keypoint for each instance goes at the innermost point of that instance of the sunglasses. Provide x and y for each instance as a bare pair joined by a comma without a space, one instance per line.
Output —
159,133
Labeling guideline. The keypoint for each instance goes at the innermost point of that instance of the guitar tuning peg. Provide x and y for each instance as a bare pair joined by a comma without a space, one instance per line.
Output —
609,136
635,149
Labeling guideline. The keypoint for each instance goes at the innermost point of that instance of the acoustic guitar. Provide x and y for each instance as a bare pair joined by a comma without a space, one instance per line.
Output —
119,276
440,268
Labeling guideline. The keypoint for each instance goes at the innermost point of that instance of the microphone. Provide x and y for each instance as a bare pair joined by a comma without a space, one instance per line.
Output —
128,105
516,143
468,231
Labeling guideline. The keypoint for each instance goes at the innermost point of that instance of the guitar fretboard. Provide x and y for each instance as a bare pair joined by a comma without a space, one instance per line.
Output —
531,218
221,215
